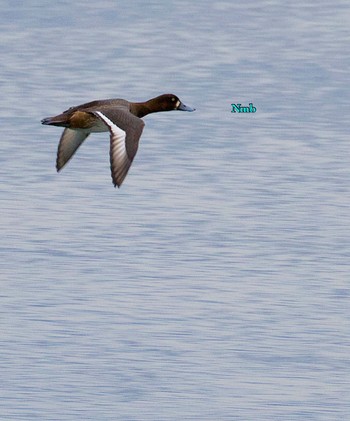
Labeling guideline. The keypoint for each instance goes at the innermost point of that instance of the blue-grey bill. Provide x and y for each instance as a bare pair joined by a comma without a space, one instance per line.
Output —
183,107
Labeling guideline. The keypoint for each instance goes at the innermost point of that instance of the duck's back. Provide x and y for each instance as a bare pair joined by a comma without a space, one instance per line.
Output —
99,105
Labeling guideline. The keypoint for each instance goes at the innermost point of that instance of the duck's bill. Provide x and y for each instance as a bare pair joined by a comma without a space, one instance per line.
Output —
183,107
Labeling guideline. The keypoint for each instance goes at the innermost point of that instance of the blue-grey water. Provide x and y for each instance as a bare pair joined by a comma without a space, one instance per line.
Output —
215,284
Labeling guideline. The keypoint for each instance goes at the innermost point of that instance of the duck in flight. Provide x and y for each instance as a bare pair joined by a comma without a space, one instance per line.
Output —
123,120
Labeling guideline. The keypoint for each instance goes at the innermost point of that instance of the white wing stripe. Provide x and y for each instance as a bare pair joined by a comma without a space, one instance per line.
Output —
117,133
120,161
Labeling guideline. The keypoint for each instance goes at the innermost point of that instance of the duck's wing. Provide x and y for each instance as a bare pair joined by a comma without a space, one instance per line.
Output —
125,132
69,143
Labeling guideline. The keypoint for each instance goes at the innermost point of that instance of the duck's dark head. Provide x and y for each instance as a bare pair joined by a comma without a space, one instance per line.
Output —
166,102
171,102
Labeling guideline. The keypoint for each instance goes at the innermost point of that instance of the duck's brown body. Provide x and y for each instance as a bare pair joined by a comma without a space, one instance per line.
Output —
118,116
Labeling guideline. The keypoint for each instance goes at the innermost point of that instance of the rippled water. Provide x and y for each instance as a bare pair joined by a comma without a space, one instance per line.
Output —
214,285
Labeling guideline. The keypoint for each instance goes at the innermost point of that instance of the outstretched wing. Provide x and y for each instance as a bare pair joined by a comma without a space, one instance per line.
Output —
125,131
69,143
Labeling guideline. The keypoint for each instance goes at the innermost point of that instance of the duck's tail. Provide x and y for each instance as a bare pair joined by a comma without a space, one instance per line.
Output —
58,120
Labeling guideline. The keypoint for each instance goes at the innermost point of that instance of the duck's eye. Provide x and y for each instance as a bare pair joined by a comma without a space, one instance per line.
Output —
173,99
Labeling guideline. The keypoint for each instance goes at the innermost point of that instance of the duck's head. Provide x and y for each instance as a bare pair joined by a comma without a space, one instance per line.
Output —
169,102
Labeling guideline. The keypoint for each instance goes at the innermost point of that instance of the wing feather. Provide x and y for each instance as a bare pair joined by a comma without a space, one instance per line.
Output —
120,161
69,143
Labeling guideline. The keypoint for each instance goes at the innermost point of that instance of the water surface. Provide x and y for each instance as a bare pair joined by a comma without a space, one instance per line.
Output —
214,285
